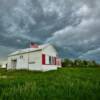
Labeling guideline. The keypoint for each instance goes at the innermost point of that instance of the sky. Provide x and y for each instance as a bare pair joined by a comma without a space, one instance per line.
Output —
73,26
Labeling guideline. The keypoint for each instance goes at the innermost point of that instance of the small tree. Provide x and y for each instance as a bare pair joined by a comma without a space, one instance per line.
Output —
67,63
79,63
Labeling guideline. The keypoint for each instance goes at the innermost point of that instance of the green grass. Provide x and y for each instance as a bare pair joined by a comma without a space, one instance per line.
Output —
63,84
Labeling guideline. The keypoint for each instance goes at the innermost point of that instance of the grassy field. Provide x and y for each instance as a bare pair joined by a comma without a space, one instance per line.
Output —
63,84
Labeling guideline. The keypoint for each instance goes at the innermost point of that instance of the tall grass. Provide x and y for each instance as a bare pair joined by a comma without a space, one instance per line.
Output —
63,84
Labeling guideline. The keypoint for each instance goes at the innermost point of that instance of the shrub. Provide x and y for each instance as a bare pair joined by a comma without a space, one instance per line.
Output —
79,63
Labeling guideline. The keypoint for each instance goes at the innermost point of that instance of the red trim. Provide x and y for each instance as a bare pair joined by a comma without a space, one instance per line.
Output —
43,59
54,60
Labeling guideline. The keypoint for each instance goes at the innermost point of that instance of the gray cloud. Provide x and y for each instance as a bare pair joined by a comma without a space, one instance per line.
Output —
72,26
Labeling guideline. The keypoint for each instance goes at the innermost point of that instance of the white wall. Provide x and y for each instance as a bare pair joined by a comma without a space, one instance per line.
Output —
22,63
9,61
26,62
50,51
49,67
35,60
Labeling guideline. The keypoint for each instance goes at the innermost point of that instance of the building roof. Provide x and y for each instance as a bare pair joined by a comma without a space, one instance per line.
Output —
21,51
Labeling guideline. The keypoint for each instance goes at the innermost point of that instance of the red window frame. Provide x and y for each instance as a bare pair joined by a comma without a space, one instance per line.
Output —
54,60
43,59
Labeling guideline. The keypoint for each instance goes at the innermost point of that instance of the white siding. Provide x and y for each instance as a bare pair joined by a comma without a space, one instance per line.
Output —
10,61
49,51
22,61
35,60
49,67
31,61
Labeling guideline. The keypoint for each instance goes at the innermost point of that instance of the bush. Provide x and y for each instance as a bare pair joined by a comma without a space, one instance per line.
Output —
79,63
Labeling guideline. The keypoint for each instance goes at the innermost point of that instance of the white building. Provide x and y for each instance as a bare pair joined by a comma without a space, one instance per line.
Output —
3,64
41,58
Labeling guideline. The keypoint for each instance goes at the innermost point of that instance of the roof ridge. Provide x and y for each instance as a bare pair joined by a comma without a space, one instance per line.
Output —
20,51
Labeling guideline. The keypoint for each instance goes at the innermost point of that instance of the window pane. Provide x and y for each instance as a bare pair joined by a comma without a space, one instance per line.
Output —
49,60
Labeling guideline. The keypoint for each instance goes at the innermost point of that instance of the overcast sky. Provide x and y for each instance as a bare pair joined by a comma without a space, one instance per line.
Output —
73,26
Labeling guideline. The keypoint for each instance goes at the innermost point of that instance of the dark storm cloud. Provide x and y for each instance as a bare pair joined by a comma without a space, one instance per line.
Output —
28,20
71,25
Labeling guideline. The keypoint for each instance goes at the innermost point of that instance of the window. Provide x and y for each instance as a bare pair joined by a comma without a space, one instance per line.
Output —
50,60
21,57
